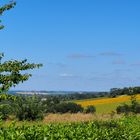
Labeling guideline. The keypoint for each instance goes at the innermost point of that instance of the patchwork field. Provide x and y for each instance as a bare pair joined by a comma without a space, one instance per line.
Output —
106,105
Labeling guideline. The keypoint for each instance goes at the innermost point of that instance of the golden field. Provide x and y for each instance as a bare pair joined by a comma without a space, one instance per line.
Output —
106,105
78,117
64,118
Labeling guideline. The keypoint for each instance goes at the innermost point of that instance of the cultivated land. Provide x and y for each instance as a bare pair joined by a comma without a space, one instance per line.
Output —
106,105
101,126
126,128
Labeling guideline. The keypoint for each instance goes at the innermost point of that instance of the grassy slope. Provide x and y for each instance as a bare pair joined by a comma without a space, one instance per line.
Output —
106,105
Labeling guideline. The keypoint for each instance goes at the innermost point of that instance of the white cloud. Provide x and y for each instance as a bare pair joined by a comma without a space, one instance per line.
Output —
66,75
69,75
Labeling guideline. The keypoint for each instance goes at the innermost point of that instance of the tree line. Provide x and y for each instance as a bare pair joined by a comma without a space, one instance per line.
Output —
114,92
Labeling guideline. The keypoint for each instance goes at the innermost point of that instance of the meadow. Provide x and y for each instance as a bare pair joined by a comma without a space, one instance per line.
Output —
106,105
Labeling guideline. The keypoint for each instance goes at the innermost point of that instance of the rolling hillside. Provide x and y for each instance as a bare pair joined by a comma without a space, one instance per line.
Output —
106,105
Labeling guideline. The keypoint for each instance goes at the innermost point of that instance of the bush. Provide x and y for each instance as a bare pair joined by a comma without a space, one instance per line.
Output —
128,108
123,109
137,109
90,109
134,107
68,108
49,104
29,108
5,111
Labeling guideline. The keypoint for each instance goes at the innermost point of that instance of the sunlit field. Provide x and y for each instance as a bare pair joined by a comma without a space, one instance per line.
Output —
106,105
126,128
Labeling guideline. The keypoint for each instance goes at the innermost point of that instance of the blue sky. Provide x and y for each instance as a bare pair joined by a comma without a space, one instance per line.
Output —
84,44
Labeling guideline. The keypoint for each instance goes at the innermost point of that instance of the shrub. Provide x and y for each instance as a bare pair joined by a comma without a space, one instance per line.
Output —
49,104
137,109
90,109
68,107
29,108
5,111
134,107
123,109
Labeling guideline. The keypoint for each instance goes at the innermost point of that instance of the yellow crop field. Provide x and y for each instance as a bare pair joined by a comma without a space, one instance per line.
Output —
106,105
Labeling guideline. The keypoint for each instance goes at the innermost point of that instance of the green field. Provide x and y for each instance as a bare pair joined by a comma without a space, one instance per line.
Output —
107,108
106,105
126,128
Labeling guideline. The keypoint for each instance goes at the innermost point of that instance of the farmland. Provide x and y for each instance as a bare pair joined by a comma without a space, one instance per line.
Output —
106,105
126,128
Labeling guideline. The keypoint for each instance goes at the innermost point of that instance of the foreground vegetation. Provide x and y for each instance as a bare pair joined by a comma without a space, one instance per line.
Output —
33,108
126,128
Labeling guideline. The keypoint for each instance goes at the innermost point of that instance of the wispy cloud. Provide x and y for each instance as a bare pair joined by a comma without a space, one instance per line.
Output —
135,64
68,75
58,64
110,54
112,78
119,62
80,56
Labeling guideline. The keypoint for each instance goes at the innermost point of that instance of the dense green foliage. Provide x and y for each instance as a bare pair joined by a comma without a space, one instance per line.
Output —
90,109
6,105
33,107
28,108
5,111
128,109
54,104
134,107
22,107
114,92
125,108
68,108
123,129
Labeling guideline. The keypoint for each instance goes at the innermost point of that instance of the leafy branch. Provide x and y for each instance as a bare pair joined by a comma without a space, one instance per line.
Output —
5,8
